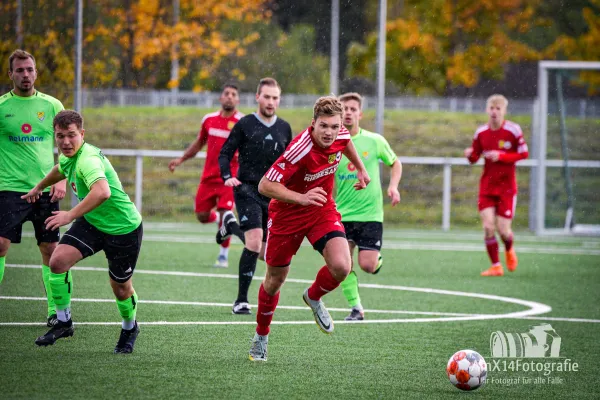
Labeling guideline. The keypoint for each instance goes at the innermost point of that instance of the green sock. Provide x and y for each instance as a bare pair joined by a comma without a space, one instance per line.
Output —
46,278
2,264
128,309
61,287
350,289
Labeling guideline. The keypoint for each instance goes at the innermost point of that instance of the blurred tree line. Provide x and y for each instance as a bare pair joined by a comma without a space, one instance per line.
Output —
433,46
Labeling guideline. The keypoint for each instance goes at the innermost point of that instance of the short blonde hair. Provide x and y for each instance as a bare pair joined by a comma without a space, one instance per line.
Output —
497,99
327,106
352,96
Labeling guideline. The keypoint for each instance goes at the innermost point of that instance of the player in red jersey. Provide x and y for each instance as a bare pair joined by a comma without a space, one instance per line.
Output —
211,191
502,144
300,183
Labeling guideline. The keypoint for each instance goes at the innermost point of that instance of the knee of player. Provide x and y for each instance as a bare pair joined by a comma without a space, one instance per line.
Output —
203,217
122,291
369,266
47,249
341,266
254,244
58,265
4,245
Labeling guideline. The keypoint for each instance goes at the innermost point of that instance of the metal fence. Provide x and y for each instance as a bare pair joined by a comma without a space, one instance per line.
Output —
581,108
446,162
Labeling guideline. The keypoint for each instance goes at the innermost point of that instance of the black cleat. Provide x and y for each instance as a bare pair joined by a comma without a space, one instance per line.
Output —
355,315
127,340
60,330
241,308
52,320
224,232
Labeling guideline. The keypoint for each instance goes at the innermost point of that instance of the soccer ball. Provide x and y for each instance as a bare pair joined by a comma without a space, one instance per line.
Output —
467,370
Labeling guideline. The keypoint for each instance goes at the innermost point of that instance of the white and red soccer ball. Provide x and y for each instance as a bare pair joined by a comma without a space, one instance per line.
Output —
467,370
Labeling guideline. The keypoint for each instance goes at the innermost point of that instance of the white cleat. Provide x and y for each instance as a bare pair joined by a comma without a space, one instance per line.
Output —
258,350
322,317
221,262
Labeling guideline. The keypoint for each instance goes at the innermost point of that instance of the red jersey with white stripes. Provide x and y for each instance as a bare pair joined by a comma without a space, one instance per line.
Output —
499,178
214,132
304,166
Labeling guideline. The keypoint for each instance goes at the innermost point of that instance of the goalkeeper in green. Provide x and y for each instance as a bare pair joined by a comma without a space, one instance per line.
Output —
362,211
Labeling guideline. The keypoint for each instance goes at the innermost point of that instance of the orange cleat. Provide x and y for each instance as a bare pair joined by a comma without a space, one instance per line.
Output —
494,270
511,260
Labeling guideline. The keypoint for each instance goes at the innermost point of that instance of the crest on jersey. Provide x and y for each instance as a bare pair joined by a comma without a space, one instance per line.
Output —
351,167
338,156
504,144
230,125
74,187
365,154
331,159
41,116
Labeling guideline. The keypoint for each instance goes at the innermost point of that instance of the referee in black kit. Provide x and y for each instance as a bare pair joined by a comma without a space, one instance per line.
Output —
260,138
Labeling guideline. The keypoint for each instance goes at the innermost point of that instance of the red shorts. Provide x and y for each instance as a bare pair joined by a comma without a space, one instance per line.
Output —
211,195
283,245
504,205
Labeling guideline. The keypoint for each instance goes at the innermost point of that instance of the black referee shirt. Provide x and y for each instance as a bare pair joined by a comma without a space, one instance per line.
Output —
259,147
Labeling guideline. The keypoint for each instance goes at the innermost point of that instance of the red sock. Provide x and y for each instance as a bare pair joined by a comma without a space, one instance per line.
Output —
266,309
324,284
492,248
225,244
508,242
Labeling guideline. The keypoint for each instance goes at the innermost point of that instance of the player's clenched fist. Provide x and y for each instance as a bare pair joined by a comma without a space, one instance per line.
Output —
314,197
468,151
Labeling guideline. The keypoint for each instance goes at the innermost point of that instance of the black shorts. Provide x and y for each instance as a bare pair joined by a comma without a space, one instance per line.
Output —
121,251
252,208
15,211
366,235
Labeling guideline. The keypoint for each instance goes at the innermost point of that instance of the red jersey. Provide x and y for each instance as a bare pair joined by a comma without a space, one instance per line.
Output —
214,132
499,178
304,166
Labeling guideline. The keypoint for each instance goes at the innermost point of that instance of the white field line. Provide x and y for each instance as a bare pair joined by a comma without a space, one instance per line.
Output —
396,245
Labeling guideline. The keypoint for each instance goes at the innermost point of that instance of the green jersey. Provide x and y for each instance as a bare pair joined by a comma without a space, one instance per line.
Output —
117,215
26,139
363,205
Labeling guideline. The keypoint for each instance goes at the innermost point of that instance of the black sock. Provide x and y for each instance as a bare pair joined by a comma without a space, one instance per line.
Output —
235,229
247,268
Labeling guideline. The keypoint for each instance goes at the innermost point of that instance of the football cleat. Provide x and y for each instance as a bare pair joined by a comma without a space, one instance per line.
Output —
221,262
258,350
320,313
355,315
60,330
52,320
494,270
127,340
241,308
511,260
224,232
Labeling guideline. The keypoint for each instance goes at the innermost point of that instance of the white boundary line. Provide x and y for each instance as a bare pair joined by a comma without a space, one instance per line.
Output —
534,312
399,245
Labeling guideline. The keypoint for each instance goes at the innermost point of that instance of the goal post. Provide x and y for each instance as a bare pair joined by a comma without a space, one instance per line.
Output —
539,195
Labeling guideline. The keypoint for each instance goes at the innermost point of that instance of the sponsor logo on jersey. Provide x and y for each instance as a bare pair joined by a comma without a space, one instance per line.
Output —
269,137
41,116
230,125
9,115
281,165
320,174
338,156
22,139
26,128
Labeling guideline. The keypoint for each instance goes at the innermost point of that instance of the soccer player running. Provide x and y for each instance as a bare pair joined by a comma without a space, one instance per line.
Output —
214,131
362,211
301,184
260,138
502,144
26,156
105,219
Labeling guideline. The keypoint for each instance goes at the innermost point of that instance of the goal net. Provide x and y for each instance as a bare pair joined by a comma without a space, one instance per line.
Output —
565,183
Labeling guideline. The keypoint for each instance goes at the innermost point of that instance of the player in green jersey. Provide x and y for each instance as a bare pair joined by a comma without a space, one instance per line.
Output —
105,219
362,211
26,156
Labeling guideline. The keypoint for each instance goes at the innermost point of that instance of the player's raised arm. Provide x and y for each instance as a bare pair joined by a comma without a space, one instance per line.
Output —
361,172
53,177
